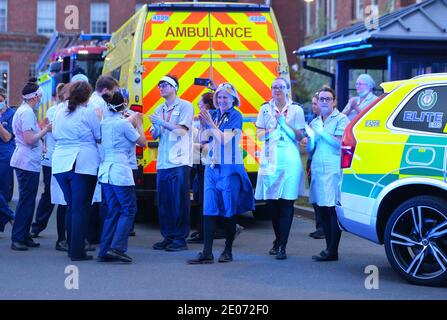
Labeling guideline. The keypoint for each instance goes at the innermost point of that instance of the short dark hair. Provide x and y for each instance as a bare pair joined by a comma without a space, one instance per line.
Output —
106,82
30,87
326,88
116,100
79,93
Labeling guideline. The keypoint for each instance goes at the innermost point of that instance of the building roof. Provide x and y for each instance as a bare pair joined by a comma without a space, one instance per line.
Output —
424,21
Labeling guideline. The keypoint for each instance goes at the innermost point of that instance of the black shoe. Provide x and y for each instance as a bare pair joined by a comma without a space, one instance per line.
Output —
34,234
62,246
281,255
317,234
275,249
132,234
119,255
29,242
161,245
326,257
226,256
84,258
202,259
196,238
18,246
176,247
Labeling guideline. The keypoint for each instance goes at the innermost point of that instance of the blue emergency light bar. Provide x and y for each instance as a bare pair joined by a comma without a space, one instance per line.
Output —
95,36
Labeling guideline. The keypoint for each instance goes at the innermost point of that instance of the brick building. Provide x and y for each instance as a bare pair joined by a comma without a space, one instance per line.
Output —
326,16
25,26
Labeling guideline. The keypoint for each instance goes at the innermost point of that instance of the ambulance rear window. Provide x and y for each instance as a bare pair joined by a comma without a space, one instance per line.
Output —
425,111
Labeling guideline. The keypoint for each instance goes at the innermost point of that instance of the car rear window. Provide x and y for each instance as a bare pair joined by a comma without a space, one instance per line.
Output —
425,111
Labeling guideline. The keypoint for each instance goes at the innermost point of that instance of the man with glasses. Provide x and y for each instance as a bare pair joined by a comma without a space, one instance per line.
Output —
364,86
324,141
172,124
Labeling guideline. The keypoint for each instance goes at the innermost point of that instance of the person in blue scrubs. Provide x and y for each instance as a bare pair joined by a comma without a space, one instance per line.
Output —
280,124
26,161
7,146
228,190
325,134
119,136
75,162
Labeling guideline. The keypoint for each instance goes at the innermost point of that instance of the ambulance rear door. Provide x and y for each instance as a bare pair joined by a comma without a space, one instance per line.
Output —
247,51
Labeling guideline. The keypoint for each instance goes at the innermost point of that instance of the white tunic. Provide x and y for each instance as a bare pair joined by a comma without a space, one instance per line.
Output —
280,174
26,157
326,163
118,140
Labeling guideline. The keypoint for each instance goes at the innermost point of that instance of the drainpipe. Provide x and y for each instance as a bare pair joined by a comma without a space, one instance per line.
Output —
320,71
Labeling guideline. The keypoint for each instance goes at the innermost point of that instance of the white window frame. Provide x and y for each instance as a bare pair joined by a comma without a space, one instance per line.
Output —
4,66
47,15
359,9
4,6
333,14
308,22
95,13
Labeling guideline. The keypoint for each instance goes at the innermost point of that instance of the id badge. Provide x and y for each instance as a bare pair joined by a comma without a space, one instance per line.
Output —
281,141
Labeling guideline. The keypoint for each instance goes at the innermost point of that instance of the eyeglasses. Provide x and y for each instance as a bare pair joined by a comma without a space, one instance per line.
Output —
163,85
279,88
327,99
360,84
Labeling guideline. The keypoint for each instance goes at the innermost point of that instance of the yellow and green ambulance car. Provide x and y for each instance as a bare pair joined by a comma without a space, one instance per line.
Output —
394,187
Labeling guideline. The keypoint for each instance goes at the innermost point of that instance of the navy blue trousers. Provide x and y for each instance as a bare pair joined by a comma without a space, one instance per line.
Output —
174,203
78,192
6,214
45,207
122,208
28,186
282,218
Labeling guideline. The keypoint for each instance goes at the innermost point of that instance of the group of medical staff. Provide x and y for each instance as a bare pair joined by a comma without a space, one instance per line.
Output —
90,137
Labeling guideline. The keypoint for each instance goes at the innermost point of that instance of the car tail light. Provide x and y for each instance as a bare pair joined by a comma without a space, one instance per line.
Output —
136,108
139,151
349,142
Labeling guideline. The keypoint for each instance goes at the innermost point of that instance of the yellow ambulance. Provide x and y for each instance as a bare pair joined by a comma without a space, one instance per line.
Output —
224,42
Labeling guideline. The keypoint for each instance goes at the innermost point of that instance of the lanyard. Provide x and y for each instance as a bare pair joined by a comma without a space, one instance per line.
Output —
221,120
168,118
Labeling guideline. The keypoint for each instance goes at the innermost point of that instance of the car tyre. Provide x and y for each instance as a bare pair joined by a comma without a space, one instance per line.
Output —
416,240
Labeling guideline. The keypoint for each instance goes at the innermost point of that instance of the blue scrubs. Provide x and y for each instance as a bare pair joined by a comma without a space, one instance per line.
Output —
6,151
228,190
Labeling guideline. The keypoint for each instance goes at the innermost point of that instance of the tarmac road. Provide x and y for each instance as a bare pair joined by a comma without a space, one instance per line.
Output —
40,272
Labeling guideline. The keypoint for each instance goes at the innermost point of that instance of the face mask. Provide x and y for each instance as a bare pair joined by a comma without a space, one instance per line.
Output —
2,105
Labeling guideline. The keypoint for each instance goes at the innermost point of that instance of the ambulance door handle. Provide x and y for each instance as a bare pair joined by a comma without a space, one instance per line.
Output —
152,144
